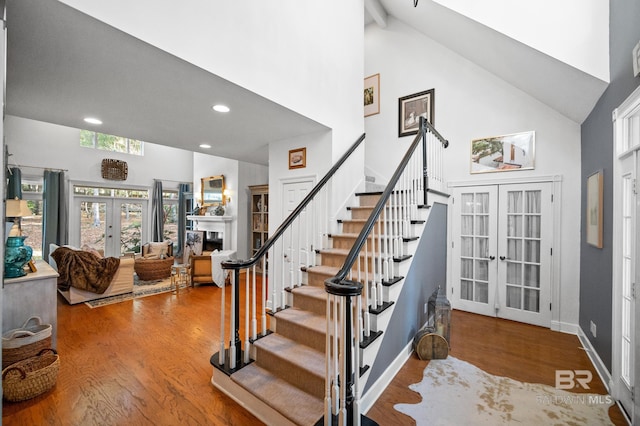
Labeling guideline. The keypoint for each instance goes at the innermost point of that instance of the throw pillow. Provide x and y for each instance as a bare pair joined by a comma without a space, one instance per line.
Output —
91,250
158,249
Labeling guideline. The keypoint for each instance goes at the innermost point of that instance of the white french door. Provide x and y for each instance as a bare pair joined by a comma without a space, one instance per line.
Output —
501,251
624,305
113,225
625,365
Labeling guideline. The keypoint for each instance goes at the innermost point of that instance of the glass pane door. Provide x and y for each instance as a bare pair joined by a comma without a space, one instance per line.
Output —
130,227
93,224
525,253
474,245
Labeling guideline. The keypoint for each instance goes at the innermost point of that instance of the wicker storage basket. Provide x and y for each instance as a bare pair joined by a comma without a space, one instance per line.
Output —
153,269
31,377
26,341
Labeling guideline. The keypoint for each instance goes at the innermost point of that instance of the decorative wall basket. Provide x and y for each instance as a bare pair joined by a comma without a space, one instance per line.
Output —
114,169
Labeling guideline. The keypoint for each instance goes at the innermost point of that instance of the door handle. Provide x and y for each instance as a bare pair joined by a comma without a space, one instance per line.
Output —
492,257
503,257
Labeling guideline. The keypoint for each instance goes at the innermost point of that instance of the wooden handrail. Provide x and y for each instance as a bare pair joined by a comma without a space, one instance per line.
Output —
241,264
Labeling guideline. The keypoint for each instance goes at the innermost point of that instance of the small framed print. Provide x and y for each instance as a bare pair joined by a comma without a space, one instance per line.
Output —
372,95
297,158
32,266
411,108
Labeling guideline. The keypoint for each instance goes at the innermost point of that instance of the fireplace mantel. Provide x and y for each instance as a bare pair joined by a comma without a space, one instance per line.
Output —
220,224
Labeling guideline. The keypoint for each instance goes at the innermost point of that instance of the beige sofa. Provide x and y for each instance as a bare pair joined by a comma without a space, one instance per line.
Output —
121,283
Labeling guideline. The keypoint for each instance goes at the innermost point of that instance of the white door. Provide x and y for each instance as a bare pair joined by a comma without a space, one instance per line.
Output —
474,248
501,251
624,306
524,253
112,225
296,250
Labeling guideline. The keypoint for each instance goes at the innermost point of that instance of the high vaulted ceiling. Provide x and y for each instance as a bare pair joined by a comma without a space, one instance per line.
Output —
63,65
564,88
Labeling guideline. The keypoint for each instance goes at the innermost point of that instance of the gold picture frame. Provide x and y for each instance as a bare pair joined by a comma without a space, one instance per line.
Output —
372,95
297,158
595,186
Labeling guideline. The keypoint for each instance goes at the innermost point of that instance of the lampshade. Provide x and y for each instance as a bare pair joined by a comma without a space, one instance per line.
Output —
17,208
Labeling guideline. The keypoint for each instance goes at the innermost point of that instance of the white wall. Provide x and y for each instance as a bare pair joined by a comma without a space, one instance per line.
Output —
303,55
237,177
470,103
40,144
582,25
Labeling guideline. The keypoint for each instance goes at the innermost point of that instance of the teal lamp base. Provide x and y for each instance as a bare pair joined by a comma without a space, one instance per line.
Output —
16,255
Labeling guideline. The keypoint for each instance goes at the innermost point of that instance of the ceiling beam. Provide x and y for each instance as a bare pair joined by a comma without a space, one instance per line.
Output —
377,12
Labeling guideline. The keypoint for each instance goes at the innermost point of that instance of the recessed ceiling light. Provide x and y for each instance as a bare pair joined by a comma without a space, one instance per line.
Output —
221,108
92,120
205,145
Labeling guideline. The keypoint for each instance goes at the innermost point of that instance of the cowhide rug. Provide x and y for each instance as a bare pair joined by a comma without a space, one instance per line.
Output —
455,392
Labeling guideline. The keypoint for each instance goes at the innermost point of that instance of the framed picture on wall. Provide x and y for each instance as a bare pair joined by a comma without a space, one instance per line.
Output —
372,95
595,187
297,158
503,153
411,108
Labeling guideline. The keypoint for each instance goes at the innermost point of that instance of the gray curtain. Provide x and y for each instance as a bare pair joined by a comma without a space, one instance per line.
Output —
14,184
182,215
157,212
55,218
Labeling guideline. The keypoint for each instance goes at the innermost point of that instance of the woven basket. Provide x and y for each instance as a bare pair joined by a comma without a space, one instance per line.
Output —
26,341
153,269
31,377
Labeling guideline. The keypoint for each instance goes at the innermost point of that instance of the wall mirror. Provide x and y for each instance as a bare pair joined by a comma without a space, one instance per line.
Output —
212,188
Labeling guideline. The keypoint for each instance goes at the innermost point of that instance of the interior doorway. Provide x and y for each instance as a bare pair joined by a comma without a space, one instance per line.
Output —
501,251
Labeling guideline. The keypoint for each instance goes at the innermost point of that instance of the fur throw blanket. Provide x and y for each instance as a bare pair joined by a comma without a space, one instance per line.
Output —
84,270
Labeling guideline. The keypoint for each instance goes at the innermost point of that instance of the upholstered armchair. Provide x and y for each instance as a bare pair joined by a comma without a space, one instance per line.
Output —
201,268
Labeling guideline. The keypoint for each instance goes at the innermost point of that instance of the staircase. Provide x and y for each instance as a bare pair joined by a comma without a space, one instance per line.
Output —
331,299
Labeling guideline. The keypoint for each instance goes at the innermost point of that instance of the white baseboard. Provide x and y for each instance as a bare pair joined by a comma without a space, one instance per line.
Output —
374,392
604,374
564,327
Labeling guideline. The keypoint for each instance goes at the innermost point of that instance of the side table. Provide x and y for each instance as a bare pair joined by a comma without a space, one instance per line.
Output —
180,274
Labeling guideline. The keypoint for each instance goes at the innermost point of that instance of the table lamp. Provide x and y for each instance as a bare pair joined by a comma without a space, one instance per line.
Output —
16,254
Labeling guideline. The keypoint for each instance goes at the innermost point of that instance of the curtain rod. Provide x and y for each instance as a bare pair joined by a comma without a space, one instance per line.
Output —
37,167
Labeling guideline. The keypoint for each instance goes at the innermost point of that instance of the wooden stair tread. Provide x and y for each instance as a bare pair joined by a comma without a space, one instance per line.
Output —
293,403
304,357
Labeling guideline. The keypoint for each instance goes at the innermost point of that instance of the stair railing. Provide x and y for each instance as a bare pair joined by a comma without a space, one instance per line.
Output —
294,243
371,261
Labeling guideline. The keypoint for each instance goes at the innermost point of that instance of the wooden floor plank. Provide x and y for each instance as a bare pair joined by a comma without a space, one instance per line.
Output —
147,362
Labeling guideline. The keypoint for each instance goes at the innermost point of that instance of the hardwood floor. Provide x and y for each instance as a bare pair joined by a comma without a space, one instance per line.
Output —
146,362
504,348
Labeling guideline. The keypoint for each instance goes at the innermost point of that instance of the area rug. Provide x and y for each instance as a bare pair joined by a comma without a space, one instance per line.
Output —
455,392
140,289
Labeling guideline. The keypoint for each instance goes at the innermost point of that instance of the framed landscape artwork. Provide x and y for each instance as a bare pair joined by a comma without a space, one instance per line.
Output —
372,95
594,209
503,153
411,108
